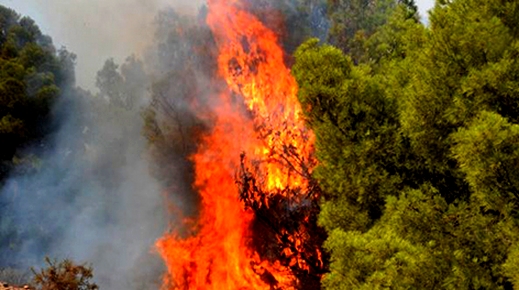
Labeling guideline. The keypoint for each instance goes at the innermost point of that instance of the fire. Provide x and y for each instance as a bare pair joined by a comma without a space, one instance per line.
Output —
256,120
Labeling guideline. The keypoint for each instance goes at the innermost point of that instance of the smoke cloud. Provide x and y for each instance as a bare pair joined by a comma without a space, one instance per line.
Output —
92,197
92,200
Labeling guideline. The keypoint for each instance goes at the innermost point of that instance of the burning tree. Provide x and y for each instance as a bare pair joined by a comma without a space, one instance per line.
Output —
285,225
256,227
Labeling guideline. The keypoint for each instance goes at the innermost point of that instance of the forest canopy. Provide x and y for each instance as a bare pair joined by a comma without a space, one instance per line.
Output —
417,142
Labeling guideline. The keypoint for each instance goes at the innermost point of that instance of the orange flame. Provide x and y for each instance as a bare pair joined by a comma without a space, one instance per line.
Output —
259,117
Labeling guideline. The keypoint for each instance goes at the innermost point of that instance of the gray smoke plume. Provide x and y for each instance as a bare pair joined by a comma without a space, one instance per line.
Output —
92,199
89,195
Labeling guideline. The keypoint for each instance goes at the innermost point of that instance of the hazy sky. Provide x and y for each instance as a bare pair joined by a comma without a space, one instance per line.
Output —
98,29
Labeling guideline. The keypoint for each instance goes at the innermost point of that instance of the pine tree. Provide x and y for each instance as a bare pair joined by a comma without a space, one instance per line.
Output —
417,150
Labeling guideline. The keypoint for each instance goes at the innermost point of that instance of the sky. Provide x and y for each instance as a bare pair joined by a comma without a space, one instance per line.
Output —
98,29
423,7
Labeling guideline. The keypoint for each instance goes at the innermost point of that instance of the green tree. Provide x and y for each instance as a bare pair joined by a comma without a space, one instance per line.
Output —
417,150
32,76
357,141
353,21
124,87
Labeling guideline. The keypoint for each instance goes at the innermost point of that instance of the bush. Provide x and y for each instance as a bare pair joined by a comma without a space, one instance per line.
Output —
64,275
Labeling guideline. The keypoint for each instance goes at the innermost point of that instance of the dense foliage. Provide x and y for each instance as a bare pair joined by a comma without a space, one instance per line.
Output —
32,74
418,150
